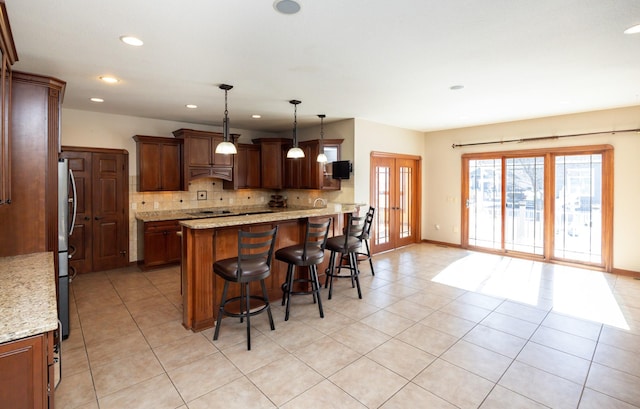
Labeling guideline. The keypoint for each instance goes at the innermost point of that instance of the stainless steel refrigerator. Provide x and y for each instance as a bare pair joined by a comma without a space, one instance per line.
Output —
66,221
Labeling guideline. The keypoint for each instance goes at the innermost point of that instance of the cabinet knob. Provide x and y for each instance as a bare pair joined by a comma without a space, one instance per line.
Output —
99,217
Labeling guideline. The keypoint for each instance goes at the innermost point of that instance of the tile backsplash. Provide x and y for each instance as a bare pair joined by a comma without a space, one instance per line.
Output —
211,195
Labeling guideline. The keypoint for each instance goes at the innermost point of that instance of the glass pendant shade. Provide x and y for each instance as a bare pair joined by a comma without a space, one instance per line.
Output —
295,152
322,158
225,147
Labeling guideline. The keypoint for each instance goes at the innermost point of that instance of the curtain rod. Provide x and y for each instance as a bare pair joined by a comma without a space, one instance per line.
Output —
542,138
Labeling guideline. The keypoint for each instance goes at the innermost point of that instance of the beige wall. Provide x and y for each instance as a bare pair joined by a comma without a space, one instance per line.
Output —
370,137
443,170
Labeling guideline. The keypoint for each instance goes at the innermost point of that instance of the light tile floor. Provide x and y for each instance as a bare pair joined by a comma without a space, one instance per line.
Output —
437,327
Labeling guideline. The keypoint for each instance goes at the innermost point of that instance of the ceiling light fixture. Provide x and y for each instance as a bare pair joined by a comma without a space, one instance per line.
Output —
633,30
96,99
225,147
322,158
108,79
256,116
286,6
191,106
456,87
295,152
130,40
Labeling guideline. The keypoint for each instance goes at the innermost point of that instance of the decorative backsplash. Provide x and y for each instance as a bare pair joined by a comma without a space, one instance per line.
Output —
208,193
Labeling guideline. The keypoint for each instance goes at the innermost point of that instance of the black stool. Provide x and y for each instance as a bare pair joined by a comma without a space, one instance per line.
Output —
252,264
347,245
308,254
365,236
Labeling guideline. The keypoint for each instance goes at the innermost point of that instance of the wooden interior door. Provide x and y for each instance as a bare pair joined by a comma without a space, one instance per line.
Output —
110,228
100,239
395,193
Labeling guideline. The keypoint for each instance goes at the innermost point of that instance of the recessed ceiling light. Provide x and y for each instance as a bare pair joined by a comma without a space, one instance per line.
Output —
191,106
134,41
286,6
97,100
633,30
456,87
256,116
108,79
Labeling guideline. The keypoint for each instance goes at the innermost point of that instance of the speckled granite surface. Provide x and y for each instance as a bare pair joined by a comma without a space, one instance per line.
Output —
193,218
281,214
27,296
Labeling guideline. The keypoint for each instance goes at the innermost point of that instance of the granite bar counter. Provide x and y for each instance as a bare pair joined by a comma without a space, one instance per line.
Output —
207,240
27,296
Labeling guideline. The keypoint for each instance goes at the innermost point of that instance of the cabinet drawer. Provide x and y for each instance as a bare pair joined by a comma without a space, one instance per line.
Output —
166,225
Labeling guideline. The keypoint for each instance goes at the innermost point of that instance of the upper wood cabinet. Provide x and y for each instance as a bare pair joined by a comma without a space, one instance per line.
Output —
7,58
271,161
307,173
199,157
246,169
159,163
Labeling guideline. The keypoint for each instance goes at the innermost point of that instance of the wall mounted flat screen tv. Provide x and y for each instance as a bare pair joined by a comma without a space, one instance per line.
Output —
341,169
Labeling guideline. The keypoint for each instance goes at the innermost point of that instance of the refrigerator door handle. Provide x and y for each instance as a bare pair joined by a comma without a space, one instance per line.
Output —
73,201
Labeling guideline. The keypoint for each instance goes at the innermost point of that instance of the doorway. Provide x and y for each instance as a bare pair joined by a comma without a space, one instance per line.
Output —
551,205
395,194
100,239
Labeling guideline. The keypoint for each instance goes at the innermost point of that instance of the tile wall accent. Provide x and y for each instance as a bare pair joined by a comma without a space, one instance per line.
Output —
216,196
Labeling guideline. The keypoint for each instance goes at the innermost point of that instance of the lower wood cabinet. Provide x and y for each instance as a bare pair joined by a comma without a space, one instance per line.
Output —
26,373
162,243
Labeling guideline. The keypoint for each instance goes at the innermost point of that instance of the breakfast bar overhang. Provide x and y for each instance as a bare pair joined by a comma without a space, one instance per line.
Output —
205,241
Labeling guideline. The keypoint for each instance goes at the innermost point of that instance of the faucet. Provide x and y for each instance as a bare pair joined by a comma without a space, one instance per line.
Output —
323,201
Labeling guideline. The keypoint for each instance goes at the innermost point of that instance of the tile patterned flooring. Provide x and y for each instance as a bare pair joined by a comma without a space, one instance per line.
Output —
437,327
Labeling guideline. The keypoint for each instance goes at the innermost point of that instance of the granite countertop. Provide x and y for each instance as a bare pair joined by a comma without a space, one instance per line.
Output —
276,214
239,215
27,296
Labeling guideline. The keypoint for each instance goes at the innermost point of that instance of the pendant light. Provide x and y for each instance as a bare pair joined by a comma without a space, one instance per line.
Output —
225,147
295,152
322,158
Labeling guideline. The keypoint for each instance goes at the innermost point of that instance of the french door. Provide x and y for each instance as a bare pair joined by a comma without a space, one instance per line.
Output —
395,195
554,205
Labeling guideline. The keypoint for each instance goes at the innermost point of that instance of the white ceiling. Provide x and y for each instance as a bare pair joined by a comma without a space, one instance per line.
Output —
391,62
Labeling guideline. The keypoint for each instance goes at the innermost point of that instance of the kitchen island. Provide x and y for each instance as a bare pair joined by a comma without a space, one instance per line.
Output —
207,240
28,318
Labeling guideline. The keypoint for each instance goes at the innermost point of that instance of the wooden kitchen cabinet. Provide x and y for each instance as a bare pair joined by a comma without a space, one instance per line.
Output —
26,373
8,57
162,244
246,169
271,161
199,157
159,163
307,173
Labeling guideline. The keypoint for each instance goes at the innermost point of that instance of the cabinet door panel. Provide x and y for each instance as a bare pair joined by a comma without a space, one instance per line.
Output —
199,149
80,240
170,167
23,373
149,166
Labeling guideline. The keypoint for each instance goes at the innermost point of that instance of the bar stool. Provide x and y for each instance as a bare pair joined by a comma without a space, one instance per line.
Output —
255,250
347,245
365,236
308,254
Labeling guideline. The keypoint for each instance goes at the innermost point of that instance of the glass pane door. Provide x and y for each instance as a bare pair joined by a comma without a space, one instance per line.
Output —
578,208
524,204
382,201
484,204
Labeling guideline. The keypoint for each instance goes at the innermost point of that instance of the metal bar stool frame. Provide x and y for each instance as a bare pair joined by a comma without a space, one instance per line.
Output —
347,245
253,263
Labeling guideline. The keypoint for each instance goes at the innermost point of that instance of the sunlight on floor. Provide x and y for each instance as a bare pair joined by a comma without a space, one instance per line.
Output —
572,291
